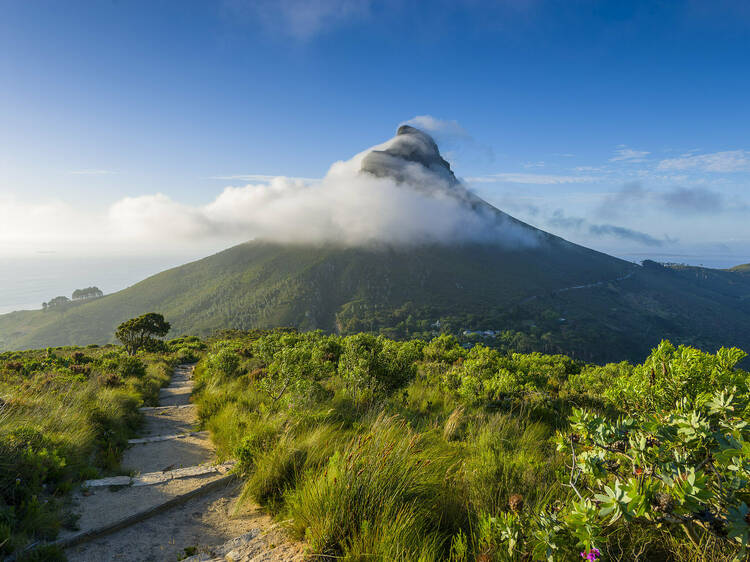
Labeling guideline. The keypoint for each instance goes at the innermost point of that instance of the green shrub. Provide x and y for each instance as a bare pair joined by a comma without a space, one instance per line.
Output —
671,374
373,366
131,367
259,438
372,449
224,362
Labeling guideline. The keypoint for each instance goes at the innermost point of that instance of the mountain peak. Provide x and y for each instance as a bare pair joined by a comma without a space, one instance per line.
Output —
404,155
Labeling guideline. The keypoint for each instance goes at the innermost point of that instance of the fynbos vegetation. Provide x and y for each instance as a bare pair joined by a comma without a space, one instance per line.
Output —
369,448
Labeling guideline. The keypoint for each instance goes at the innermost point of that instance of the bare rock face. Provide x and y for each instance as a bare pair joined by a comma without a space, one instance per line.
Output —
412,156
412,159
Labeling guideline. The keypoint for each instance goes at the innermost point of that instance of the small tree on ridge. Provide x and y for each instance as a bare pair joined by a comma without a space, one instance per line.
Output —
141,331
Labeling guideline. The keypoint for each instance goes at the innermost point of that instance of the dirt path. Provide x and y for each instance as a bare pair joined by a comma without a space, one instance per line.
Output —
176,501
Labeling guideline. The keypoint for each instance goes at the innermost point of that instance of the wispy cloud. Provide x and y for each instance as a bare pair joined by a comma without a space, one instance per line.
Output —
700,201
539,179
456,144
263,178
620,201
434,125
299,19
621,232
634,199
92,172
725,161
624,153
559,220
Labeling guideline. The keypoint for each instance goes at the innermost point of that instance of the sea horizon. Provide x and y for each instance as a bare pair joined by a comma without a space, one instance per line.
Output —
27,282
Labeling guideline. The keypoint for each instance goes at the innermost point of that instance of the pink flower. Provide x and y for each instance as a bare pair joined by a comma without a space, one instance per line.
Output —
592,555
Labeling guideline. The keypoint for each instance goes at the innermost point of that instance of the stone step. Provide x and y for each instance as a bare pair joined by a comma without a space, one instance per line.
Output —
152,478
157,438
178,385
164,408
119,516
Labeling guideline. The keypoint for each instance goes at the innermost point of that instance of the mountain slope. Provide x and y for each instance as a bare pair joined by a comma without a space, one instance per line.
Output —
261,284
486,271
612,310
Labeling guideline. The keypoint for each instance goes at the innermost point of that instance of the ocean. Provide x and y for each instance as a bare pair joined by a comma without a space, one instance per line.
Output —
27,282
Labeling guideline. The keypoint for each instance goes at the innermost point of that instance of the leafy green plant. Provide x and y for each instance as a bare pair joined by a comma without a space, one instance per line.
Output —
688,468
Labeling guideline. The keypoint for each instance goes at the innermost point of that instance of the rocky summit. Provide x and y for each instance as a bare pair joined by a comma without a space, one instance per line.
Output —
409,154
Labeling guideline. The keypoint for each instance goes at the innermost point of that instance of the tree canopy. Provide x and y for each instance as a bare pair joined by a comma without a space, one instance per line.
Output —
57,301
87,293
142,331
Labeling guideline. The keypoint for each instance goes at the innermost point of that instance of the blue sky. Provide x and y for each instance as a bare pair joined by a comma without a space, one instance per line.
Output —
619,125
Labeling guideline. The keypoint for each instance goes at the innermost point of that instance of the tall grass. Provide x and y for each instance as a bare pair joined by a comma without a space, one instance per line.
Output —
507,455
386,494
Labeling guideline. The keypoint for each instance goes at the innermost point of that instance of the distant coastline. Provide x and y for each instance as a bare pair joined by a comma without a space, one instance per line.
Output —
718,261
25,283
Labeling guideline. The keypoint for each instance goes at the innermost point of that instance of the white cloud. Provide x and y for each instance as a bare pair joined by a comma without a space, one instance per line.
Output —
726,161
538,179
347,207
628,154
27,226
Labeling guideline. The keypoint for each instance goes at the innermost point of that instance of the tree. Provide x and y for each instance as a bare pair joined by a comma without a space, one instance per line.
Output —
142,331
87,293
58,301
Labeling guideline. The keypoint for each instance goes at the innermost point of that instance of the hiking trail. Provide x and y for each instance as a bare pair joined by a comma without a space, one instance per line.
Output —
176,502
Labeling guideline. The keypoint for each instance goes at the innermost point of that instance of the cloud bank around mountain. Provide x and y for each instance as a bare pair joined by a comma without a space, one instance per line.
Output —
347,206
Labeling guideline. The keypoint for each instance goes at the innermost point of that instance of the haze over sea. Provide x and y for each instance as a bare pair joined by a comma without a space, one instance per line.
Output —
27,282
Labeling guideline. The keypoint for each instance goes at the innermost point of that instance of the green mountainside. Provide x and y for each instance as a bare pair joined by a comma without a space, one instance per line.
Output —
558,297
261,284
516,288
